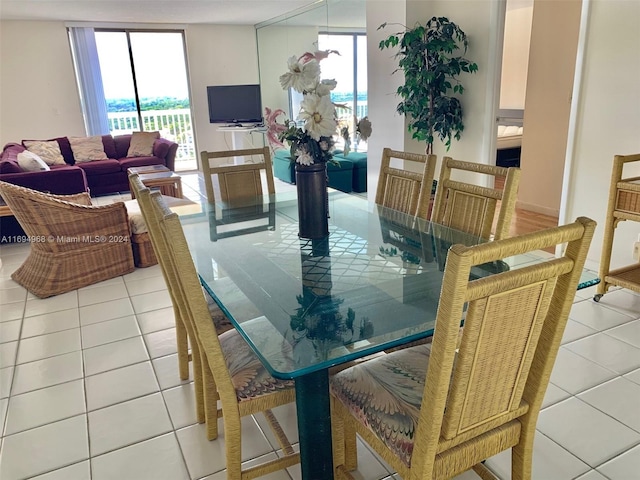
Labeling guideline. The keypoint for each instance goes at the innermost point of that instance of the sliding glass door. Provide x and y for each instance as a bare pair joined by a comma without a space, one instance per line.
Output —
145,86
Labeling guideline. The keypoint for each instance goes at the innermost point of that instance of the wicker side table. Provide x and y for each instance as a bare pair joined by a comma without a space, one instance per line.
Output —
169,183
624,204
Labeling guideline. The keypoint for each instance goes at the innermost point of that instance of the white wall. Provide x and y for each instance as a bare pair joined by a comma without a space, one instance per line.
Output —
515,55
219,55
39,96
477,19
275,45
388,126
552,59
607,119
38,92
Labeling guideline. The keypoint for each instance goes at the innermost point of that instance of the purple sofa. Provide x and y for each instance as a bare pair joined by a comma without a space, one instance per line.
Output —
97,177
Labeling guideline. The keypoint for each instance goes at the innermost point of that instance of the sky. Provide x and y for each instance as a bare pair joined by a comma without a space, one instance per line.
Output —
152,51
340,67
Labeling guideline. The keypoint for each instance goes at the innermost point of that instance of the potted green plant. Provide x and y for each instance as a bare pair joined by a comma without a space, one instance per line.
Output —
428,58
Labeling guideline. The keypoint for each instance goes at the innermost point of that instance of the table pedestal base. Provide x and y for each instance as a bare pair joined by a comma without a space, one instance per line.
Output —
314,425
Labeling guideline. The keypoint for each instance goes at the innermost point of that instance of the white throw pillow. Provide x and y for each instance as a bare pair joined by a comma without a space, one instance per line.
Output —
48,150
87,149
142,144
30,162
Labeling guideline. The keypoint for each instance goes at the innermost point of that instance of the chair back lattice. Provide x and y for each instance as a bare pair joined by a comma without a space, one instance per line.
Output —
513,327
405,190
472,208
237,181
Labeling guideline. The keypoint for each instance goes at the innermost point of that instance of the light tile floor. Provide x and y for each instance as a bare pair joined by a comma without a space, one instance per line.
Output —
89,389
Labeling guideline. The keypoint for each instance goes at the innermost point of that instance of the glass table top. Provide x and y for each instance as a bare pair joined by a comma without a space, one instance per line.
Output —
305,305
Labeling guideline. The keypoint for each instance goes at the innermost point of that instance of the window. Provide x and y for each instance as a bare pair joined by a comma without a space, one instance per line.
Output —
136,93
349,69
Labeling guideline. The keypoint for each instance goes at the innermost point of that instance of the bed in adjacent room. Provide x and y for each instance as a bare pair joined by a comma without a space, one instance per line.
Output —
509,141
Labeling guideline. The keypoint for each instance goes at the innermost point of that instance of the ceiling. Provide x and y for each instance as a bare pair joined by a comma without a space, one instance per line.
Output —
243,12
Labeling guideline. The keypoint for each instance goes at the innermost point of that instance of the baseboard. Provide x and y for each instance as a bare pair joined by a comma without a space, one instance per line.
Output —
532,207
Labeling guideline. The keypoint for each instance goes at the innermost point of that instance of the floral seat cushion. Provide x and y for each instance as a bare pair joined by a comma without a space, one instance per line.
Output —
248,374
220,320
385,394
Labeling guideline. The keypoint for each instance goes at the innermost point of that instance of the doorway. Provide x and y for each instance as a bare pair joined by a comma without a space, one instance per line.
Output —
551,63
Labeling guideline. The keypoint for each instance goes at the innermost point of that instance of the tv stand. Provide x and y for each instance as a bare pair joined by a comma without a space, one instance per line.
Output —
234,127
239,132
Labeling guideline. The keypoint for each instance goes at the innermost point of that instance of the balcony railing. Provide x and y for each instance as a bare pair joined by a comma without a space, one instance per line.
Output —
174,125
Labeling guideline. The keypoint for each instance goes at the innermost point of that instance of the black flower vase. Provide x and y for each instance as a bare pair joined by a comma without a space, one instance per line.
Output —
313,200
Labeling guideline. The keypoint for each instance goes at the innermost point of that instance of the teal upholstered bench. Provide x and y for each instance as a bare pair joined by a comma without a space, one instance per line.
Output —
283,168
340,177
359,161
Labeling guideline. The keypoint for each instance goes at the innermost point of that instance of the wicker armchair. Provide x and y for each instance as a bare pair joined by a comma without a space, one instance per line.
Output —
404,190
73,243
435,411
472,208
232,372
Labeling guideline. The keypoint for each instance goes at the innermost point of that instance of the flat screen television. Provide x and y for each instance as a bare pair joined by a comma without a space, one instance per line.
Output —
234,104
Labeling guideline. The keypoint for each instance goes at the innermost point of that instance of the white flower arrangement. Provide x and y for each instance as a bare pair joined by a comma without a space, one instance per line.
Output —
313,142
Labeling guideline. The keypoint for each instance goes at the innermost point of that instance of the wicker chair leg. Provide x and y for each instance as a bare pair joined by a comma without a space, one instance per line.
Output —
350,447
483,472
198,388
277,430
341,473
182,346
522,458
211,397
233,442
337,434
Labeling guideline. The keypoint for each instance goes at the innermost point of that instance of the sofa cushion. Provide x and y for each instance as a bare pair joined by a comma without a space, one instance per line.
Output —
87,149
60,180
9,159
136,220
142,144
160,149
63,143
139,162
122,143
10,166
30,162
48,150
100,167
110,147
65,149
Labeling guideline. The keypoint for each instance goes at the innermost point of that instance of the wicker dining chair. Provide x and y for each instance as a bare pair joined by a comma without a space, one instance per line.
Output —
239,186
185,336
472,208
434,411
238,378
73,243
406,190
237,181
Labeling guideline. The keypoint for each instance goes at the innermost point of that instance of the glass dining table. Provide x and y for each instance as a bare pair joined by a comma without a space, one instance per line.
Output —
306,306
